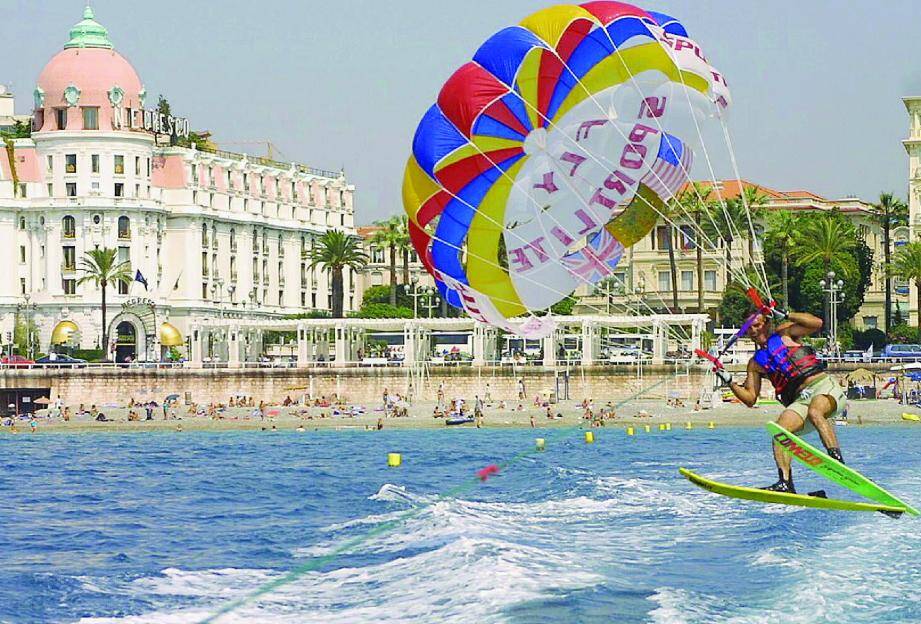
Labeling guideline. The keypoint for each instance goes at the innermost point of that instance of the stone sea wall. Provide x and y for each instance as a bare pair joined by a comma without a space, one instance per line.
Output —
358,385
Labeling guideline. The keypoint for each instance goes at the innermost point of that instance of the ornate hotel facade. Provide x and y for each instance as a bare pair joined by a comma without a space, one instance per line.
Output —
213,234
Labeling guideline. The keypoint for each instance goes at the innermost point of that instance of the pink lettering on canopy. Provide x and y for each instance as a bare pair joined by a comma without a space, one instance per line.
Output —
537,246
587,220
618,181
601,198
575,159
633,156
582,132
640,132
718,77
681,44
470,303
562,236
547,183
652,107
519,259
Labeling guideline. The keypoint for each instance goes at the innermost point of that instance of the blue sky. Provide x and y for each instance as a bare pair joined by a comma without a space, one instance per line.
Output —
816,84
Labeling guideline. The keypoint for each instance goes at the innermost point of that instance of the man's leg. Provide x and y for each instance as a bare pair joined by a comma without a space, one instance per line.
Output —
793,422
820,408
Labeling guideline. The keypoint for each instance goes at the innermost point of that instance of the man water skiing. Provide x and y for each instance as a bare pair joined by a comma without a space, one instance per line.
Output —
811,396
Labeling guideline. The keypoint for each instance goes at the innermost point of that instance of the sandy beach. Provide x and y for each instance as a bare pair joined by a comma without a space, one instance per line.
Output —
634,413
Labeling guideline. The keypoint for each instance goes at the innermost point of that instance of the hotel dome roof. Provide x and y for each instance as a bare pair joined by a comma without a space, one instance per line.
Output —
88,72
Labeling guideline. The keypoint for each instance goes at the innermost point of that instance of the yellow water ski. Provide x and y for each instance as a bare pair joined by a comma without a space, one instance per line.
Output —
911,417
783,498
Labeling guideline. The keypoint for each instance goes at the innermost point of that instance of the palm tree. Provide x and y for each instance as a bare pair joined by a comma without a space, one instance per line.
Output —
389,236
826,238
336,251
907,265
101,267
755,200
405,246
890,212
780,235
691,203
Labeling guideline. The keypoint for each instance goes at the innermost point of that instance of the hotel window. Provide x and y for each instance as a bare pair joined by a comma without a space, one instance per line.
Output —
665,281
293,192
148,166
870,322
68,285
660,240
204,234
137,165
70,163
687,280
233,239
194,174
119,164
71,189
22,189
50,163
204,264
687,237
303,300
137,190
710,280
313,300
119,189
124,228
22,223
70,258
90,118
22,254
94,163
246,182
50,189
69,226
204,291
60,118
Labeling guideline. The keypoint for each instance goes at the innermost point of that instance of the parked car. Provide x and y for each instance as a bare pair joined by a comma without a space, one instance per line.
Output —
60,359
902,352
16,361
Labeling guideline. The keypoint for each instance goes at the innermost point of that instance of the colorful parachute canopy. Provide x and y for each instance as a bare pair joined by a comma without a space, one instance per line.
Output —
551,152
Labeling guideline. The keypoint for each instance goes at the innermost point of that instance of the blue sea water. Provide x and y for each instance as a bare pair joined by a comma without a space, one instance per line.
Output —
156,528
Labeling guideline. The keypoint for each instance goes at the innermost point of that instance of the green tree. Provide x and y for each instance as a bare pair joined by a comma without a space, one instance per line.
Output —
753,201
382,310
19,130
405,247
692,204
827,238
381,294
336,251
779,238
102,268
389,235
890,212
907,265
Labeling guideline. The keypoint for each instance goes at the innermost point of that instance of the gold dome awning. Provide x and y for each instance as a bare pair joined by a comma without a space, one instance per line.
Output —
63,332
170,336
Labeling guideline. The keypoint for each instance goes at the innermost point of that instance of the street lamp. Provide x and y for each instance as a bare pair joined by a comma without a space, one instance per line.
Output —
29,308
834,296
424,292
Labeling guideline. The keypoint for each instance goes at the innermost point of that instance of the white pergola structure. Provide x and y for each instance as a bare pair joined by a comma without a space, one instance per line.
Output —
233,342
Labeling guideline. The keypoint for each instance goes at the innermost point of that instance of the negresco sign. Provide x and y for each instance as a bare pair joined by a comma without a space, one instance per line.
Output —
150,120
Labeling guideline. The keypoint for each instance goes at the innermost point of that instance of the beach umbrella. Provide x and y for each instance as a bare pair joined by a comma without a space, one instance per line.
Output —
171,397
42,401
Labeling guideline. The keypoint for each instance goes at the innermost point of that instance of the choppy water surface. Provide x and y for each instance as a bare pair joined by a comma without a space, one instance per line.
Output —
156,528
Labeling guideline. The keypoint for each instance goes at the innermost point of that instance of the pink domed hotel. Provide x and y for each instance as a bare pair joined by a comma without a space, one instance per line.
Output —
208,234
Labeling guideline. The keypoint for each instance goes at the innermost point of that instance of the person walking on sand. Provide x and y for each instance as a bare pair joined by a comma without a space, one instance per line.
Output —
487,395
520,389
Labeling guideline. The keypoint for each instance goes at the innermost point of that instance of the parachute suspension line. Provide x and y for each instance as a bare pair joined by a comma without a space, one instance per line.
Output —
575,192
687,174
758,264
534,203
739,273
726,214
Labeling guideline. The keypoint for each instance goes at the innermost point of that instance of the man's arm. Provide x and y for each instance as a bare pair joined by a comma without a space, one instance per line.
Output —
749,391
799,324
